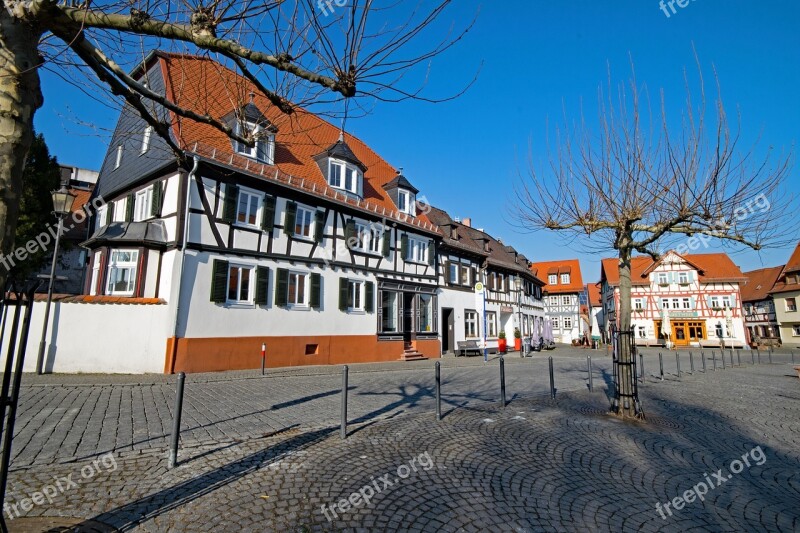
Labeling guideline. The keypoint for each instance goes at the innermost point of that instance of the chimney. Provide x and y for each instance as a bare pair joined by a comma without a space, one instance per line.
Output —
467,222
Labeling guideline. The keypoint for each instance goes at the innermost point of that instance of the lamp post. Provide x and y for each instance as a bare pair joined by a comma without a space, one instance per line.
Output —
62,206
518,286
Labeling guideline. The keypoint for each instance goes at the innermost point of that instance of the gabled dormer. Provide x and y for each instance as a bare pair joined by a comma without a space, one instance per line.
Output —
341,168
249,120
403,194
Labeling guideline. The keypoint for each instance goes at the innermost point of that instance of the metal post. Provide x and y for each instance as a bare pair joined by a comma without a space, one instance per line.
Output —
703,357
552,380
752,357
770,355
661,365
502,381
739,357
641,363
691,362
792,356
176,421
678,363
343,431
589,368
438,367
263,356
722,356
43,340
730,353
758,353
714,358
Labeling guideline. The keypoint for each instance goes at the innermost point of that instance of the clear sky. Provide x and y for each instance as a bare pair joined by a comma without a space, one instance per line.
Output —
539,59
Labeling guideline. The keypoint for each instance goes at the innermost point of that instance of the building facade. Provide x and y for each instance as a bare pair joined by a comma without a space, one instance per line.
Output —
759,307
562,296
698,294
786,295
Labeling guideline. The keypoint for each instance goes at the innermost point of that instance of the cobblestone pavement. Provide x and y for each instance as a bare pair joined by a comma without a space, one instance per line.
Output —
69,417
534,465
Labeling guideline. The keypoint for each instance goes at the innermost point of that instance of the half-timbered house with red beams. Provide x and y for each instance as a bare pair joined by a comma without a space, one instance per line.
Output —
698,294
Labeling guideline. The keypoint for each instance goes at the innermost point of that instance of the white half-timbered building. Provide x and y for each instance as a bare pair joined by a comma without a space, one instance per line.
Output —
699,294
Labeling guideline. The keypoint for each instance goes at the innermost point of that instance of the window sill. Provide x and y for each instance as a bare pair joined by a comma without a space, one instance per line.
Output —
246,225
302,238
240,305
298,307
356,312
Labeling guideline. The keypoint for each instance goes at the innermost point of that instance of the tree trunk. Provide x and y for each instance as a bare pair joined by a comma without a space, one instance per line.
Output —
20,97
627,391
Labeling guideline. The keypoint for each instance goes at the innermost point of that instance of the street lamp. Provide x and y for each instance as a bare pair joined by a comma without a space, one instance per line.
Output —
518,286
62,206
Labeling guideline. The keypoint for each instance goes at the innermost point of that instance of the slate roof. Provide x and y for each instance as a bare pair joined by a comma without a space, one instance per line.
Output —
151,233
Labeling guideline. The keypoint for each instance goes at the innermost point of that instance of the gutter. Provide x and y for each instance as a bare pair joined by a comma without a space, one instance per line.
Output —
189,178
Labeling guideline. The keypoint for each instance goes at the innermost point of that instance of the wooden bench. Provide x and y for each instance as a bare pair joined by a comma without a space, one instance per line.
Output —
464,347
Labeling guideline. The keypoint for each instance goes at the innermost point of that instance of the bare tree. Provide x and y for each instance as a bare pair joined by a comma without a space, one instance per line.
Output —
298,53
642,181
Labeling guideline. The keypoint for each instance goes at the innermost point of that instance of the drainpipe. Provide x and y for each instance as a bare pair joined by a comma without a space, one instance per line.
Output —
176,320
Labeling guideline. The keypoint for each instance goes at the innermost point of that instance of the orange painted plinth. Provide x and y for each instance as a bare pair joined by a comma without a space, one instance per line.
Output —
241,353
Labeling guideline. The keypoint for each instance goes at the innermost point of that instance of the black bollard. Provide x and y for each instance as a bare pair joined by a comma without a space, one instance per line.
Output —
703,358
678,363
758,353
770,355
343,431
730,352
502,381
739,357
589,368
552,380
641,363
691,362
438,390
661,365
714,359
753,357
792,356
176,421
263,357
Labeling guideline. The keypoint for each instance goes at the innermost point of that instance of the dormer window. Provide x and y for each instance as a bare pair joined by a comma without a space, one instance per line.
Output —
406,202
263,150
345,176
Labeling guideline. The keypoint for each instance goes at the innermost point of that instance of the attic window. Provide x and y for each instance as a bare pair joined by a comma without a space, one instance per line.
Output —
345,176
406,202
264,148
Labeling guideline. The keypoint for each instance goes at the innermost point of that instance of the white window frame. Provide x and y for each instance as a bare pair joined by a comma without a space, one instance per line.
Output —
299,301
567,322
554,301
148,132
392,317
683,278
426,311
638,304
795,330
554,321
355,295
406,202
676,303
714,302
251,194
491,324
240,285
261,138
418,250
687,303
118,160
95,273
370,238
565,279
662,278
101,216
465,272
566,300
454,273
305,224
552,279
793,308
132,265
472,329
143,204
346,170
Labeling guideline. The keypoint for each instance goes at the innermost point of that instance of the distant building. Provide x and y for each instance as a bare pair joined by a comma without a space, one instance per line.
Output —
596,312
759,307
562,294
699,294
786,294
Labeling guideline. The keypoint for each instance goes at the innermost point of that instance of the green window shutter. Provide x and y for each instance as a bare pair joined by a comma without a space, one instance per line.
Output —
387,242
268,213
404,246
219,282
319,226
432,253
369,298
281,287
291,215
229,205
110,213
350,233
343,286
447,273
158,199
473,276
262,285
316,290
129,207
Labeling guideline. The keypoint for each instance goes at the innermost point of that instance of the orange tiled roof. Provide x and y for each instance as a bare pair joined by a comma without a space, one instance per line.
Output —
759,283
793,264
793,267
541,270
206,87
594,294
712,267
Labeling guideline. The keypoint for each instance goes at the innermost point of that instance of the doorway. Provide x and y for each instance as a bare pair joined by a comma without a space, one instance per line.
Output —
409,312
448,330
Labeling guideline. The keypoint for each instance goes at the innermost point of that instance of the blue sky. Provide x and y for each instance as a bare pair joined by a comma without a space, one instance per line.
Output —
539,59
